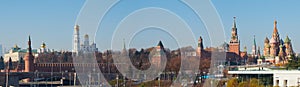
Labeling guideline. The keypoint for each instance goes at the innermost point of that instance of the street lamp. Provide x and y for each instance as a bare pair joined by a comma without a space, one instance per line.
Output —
124,78
7,78
117,80
37,77
75,76
159,81
66,72
211,82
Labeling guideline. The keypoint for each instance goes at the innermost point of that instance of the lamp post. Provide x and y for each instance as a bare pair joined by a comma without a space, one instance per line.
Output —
66,72
7,78
159,81
37,76
117,78
75,76
124,78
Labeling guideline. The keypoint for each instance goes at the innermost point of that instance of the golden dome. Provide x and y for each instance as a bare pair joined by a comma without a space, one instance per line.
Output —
43,45
16,46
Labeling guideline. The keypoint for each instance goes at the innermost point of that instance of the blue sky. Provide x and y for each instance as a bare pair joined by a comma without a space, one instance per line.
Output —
52,21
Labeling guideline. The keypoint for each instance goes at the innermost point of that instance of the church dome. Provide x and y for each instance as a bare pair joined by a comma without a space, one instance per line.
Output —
287,40
267,40
43,45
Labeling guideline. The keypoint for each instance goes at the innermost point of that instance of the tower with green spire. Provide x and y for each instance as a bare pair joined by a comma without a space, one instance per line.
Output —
254,52
288,47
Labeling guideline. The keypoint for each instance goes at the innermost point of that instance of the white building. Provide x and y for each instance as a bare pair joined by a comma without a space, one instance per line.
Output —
43,49
85,46
16,53
76,39
281,78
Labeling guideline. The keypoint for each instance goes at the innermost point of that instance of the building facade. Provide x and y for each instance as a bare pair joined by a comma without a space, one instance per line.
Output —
82,47
277,50
234,44
43,49
15,53
279,78
231,50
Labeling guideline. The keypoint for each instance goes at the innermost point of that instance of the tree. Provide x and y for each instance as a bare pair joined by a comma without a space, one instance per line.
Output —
255,83
243,84
232,82
293,63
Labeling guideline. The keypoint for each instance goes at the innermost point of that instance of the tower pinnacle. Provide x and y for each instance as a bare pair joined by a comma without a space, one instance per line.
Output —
275,26
234,36
29,45
254,52
234,22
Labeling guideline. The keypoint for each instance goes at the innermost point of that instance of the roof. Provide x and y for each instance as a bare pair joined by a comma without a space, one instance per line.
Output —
267,40
287,40
265,72
160,44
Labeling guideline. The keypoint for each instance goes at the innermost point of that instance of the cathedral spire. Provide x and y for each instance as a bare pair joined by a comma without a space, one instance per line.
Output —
275,35
275,26
234,36
234,22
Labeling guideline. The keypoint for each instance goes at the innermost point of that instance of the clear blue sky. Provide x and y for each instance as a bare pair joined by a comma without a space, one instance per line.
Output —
52,21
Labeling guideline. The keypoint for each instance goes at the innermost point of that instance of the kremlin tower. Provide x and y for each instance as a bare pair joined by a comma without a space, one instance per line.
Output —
254,50
234,45
29,58
29,66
